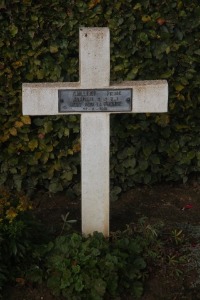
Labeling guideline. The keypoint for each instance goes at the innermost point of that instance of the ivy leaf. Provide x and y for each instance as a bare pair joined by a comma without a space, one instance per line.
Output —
18,181
179,87
143,165
26,120
66,132
119,68
100,286
143,37
55,187
13,131
115,191
38,155
79,285
44,157
70,152
48,126
197,52
93,3
76,148
53,48
179,34
67,175
146,18
13,30
129,163
147,150
57,165
5,137
132,74
19,124
155,159
138,6
48,148
17,64
167,74
40,74
163,120
33,144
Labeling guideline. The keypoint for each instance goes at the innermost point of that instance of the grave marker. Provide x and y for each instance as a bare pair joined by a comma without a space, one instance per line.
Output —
95,98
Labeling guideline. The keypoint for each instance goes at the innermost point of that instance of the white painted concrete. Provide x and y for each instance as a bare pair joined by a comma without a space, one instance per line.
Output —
95,132
42,99
95,141
94,57
148,96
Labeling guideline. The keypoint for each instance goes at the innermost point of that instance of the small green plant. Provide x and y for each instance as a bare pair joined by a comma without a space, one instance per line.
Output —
171,254
177,236
93,267
66,223
174,262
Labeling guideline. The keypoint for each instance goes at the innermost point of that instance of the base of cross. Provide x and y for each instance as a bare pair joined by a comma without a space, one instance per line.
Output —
95,99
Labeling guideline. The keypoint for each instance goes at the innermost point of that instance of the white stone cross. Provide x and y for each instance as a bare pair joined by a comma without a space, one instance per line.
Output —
95,98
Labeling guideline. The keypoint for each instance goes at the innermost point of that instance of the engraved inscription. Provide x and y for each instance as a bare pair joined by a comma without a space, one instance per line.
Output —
95,100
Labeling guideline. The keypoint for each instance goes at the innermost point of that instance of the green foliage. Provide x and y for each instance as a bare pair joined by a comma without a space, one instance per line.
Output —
94,267
149,40
19,235
66,223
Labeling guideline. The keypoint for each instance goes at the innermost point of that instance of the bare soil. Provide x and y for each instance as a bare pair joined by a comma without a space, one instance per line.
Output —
177,205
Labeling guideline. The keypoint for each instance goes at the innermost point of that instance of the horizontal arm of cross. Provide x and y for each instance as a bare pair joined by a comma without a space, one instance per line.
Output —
147,96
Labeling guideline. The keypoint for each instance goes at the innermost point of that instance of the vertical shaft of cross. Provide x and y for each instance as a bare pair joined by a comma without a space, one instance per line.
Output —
94,52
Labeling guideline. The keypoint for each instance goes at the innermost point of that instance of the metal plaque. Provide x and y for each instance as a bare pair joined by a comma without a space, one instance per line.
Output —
95,100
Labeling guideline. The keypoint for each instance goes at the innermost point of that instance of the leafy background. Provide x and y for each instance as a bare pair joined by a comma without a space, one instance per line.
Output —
150,39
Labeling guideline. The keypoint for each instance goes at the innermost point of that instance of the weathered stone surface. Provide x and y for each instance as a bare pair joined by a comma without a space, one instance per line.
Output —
147,96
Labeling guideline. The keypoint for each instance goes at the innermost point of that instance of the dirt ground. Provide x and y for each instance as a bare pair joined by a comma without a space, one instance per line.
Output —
177,205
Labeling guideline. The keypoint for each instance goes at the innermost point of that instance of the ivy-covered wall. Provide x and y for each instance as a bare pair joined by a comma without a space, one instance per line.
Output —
150,39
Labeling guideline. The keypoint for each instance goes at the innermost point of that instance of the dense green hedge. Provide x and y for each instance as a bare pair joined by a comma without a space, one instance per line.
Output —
150,39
